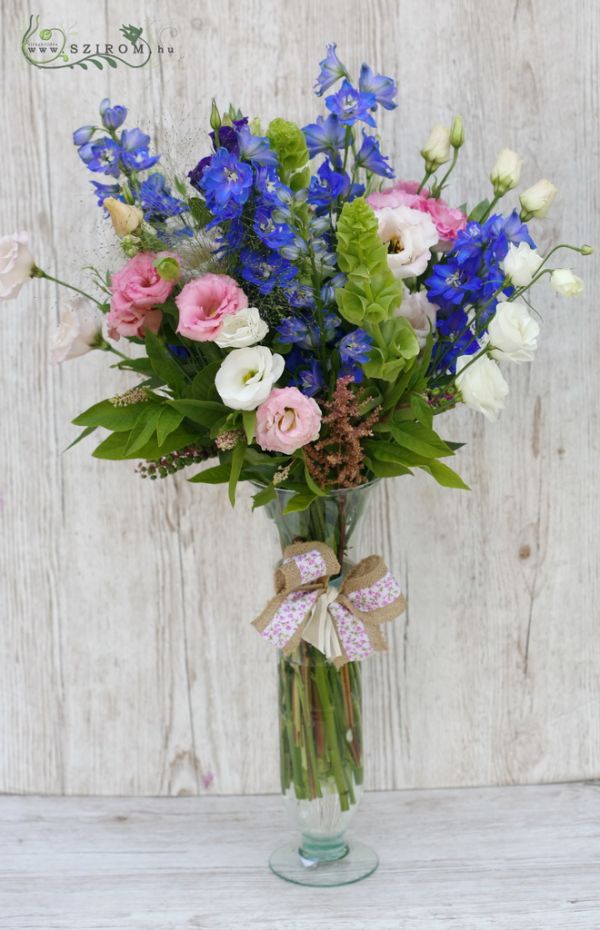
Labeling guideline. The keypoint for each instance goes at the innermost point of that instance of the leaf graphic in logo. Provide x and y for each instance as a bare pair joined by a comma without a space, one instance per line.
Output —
131,33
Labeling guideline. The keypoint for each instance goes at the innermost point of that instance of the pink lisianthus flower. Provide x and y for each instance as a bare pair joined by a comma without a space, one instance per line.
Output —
447,220
287,420
137,290
204,302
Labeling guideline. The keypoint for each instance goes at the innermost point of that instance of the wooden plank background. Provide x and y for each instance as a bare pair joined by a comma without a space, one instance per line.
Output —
127,664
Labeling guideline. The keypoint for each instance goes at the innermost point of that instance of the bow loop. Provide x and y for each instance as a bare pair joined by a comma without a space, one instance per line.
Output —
345,625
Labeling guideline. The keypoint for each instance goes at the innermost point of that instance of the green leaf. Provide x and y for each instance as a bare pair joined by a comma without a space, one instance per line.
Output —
445,476
200,211
478,212
388,469
300,501
263,497
85,432
310,481
204,412
114,446
422,410
168,421
163,363
237,460
218,474
203,385
144,428
141,365
111,417
249,421
420,439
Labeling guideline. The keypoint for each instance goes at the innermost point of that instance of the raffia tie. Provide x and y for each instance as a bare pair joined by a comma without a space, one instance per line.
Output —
344,624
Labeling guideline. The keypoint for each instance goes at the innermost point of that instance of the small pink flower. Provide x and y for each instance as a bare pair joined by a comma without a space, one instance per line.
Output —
137,292
287,420
448,221
204,301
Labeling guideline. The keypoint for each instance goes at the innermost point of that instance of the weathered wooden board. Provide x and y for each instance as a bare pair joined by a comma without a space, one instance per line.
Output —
127,664
466,859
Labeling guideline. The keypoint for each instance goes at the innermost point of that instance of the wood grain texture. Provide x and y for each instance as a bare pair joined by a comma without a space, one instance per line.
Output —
127,664
466,859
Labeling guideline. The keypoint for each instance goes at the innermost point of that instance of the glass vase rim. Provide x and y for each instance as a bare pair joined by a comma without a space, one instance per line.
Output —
336,492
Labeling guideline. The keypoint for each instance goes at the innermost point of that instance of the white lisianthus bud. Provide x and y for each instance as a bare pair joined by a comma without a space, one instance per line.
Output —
124,216
521,263
80,330
16,264
246,377
537,200
566,283
506,172
513,332
436,150
481,385
241,329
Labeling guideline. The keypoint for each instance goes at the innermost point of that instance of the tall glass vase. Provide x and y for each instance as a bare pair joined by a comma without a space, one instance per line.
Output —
320,719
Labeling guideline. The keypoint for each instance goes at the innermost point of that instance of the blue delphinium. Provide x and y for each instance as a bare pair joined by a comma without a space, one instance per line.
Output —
306,373
103,156
112,117
325,136
103,191
266,271
83,134
331,71
382,87
226,184
135,154
157,201
327,185
275,235
351,105
297,331
369,156
256,149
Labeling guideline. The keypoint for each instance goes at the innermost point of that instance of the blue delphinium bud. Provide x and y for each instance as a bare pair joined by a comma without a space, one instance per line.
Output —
83,134
331,71
112,117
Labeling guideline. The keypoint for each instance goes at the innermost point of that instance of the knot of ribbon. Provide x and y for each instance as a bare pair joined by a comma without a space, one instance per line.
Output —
343,624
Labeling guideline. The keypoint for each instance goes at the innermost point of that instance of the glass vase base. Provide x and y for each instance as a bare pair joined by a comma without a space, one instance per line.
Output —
288,863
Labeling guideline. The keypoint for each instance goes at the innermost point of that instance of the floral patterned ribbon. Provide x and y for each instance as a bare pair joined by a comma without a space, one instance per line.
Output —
344,625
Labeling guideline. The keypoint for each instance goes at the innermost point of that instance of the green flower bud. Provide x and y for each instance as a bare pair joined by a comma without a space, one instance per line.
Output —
215,117
168,268
131,245
586,250
457,132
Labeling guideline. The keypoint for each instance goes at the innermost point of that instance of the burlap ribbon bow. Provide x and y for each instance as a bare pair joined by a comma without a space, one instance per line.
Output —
343,624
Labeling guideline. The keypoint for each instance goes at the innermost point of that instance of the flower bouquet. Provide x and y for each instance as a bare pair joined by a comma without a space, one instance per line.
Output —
298,319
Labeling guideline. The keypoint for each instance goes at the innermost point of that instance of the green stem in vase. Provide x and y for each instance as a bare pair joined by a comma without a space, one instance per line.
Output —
321,678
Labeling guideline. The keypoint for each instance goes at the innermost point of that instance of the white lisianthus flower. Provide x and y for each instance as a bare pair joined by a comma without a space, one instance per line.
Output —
513,332
246,377
521,263
124,216
409,235
79,331
420,313
537,200
436,150
16,264
506,172
241,329
481,385
566,283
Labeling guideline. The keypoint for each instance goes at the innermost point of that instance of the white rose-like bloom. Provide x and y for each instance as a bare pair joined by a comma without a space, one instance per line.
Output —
482,385
246,377
436,150
521,263
566,283
506,172
409,235
537,200
420,313
241,329
79,331
16,264
513,332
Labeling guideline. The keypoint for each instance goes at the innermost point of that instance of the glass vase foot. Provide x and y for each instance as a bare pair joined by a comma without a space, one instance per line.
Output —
289,863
